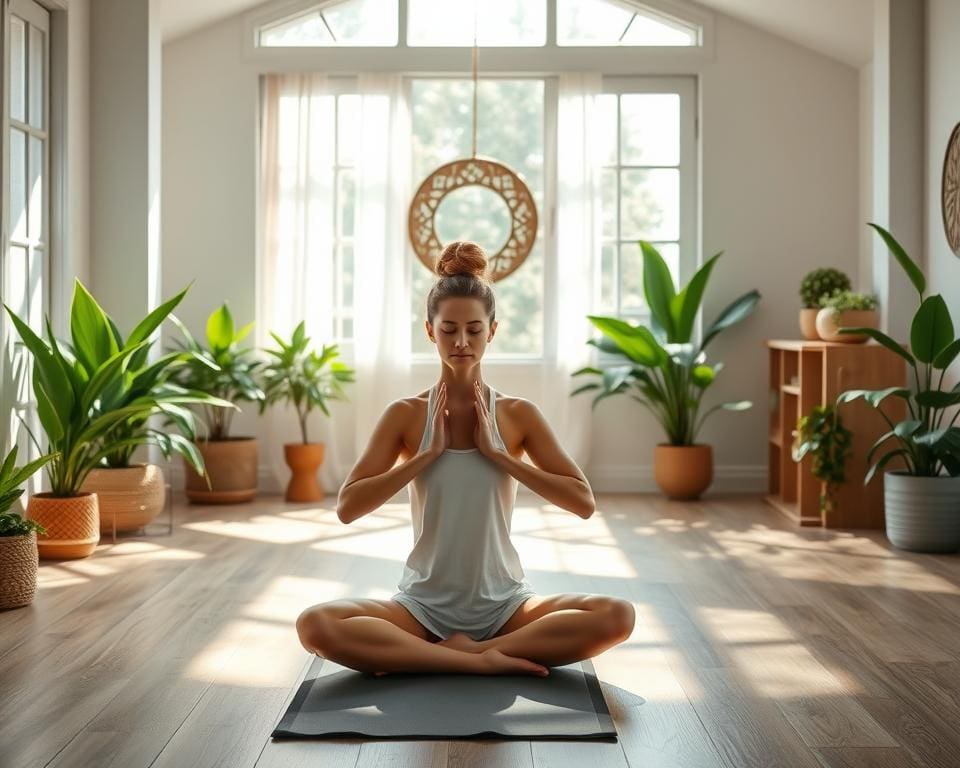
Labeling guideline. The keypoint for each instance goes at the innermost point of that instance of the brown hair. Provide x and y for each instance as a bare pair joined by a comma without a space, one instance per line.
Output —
462,271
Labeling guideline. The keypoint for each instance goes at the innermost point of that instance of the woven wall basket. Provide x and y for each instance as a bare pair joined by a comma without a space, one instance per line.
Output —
134,494
72,523
18,570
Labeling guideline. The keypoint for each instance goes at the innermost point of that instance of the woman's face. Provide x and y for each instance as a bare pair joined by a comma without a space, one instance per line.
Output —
461,330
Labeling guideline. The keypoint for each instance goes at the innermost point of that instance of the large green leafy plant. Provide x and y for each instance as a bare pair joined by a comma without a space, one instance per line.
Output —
11,478
928,440
223,368
663,368
91,387
300,376
96,393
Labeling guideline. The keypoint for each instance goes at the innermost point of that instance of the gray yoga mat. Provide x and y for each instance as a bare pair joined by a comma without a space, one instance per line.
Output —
338,702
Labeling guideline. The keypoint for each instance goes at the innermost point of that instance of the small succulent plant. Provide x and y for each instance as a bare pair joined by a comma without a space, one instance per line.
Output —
849,300
825,281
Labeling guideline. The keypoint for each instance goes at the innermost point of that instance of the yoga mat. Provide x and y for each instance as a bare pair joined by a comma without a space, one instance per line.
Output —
338,702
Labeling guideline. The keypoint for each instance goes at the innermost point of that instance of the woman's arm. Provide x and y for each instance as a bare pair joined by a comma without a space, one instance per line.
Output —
556,477
375,478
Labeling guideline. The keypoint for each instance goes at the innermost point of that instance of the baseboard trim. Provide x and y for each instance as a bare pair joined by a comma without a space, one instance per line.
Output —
634,478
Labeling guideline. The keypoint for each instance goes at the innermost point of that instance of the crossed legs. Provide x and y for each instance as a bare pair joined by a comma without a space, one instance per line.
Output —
382,636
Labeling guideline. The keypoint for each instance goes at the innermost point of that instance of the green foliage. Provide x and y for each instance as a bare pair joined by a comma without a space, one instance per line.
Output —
222,369
821,434
11,478
927,441
663,369
844,301
298,375
95,393
825,281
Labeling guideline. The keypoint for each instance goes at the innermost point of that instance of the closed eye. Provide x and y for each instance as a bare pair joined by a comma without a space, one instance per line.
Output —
472,333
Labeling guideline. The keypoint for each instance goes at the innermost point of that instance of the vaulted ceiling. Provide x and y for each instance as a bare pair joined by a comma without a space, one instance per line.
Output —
840,29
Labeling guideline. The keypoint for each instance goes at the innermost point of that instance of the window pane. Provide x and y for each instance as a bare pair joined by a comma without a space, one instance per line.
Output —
645,30
608,276
37,76
346,201
346,275
498,22
36,228
650,129
348,127
631,277
18,69
607,128
442,114
474,213
16,283
35,318
354,22
18,184
650,204
609,203
603,22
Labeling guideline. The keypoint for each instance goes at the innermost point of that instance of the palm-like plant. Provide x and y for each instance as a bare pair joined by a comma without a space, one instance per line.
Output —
95,394
663,368
928,440
222,368
298,375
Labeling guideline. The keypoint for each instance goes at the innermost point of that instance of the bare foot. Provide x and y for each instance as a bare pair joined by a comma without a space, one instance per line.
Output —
498,663
460,641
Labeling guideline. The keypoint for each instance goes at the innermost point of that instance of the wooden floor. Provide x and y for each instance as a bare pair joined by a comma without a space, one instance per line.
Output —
756,644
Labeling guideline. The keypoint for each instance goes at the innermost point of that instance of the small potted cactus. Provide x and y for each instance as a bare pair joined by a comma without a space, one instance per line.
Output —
846,309
817,284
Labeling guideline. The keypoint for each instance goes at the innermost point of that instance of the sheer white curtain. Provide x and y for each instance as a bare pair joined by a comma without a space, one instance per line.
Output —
578,244
295,268
382,309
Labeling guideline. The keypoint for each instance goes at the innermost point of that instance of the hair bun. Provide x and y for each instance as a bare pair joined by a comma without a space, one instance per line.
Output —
462,257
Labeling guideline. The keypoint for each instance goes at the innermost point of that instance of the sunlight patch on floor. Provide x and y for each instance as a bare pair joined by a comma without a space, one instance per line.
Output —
272,529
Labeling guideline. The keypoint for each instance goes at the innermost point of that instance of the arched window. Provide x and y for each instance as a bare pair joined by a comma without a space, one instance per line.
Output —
645,122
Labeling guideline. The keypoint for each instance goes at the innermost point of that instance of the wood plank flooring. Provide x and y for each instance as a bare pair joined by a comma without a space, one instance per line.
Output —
756,644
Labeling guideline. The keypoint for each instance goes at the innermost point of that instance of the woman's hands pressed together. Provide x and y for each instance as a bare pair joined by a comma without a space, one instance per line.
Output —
440,440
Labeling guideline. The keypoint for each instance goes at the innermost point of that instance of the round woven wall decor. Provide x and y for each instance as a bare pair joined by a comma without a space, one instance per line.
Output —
950,191
481,172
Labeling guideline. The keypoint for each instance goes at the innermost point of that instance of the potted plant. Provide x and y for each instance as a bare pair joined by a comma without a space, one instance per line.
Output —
821,434
299,376
18,537
225,370
131,494
67,392
922,499
816,284
846,308
667,372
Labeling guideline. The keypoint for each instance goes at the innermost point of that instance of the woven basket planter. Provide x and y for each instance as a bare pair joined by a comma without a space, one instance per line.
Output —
134,494
232,467
18,570
72,523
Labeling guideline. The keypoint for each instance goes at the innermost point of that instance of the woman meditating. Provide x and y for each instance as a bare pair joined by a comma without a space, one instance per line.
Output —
463,603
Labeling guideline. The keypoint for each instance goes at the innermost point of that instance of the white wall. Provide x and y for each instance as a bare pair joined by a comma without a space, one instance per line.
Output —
942,114
780,154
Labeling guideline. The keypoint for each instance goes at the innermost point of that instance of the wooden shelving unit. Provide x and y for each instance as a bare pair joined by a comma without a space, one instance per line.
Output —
803,374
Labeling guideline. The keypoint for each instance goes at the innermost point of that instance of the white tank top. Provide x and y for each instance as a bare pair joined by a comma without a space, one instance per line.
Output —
463,566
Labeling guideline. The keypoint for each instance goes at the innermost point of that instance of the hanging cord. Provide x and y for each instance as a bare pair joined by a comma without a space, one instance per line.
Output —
474,60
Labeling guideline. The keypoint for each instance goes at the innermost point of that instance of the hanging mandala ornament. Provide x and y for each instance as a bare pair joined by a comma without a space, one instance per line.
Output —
482,172
950,191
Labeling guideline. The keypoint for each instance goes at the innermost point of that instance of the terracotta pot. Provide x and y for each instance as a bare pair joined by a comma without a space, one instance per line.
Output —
304,459
683,471
72,523
134,494
18,570
808,324
829,320
232,468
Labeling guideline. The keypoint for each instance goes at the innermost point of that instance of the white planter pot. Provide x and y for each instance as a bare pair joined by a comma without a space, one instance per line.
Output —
922,513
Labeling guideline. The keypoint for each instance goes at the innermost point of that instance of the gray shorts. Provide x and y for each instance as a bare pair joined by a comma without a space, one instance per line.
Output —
443,625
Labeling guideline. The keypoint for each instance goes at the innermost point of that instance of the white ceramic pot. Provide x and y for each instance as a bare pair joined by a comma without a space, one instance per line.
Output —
829,321
922,513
